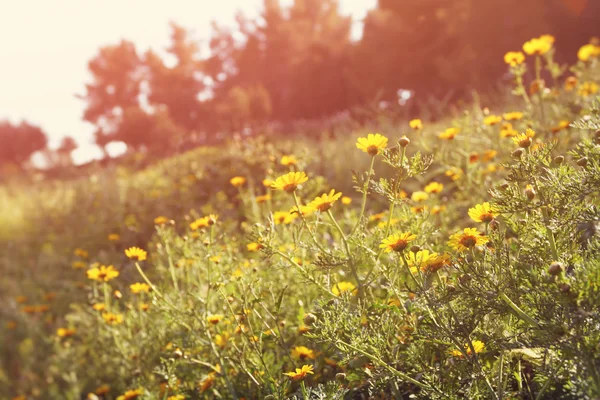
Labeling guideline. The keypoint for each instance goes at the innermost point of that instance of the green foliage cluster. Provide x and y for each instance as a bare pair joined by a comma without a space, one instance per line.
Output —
465,266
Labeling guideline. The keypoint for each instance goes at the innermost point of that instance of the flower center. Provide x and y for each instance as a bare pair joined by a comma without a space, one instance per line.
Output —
290,187
468,241
399,245
372,150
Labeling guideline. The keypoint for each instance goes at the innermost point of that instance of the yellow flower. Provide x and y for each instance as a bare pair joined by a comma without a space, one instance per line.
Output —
214,319
102,390
489,155
207,382
346,200
571,83
377,217
300,373
427,261
112,319
267,182
513,116
114,237
524,139
160,220
419,196
397,241
343,287
204,222
103,273
302,353
237,181
588,88
139,288
288,160
283,217
478,346
492,120
416,124
131,394
435,210
99,306
434,187
514,58
65,332
467,239
78,264
564,124
325,201
483,212
263,199
372,144
221,340
21,299
253,247
176,397
135,253
289,182
538,46
449,134
588,51
81,253
508,131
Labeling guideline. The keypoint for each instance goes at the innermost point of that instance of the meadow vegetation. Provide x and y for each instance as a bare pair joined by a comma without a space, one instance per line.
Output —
447,260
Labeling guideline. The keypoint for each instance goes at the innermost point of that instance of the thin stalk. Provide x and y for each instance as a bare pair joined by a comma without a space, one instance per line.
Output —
364,198
520,313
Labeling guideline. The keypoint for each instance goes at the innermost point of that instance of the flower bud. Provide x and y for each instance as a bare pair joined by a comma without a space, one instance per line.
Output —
564,287
530,192
340,377
415,248
403,141
494,225
310,319
558,160
555,268
517,153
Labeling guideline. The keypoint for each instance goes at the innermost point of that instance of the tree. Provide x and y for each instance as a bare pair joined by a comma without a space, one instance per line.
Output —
147,132
67,145
19,142
178,87
117,75
299,55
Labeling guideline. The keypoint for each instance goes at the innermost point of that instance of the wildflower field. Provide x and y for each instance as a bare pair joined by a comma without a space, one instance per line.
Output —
432,260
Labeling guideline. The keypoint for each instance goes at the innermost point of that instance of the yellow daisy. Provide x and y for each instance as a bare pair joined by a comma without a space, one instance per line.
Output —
302,353
416,124
103,273
325,201
397,241
135,253
514,58
343,287
300,373
289,182
237,181
372,144
139,288
467,239
483,212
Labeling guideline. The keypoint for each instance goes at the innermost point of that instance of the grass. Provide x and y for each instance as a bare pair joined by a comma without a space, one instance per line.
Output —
236,290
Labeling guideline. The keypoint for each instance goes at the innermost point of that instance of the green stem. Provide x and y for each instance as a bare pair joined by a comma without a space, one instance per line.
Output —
364,198
385,365
310,231
520,313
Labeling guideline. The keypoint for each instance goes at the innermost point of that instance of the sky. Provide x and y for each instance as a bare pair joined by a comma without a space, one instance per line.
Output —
45,47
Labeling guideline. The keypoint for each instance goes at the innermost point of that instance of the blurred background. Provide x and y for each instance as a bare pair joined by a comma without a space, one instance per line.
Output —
82,81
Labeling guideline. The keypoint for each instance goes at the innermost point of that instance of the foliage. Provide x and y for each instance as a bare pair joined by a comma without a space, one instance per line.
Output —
466,265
